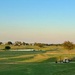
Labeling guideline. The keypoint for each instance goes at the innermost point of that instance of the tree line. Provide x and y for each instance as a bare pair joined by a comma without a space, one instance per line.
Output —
67,44
19,43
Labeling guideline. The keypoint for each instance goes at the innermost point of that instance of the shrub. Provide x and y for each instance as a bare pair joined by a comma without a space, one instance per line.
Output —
7,47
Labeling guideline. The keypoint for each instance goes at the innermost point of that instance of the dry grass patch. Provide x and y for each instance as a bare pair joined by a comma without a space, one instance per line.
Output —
37,58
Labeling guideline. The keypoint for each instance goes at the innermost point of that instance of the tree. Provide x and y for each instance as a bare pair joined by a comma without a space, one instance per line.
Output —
39,44
23,43
68,45
9,43
18,43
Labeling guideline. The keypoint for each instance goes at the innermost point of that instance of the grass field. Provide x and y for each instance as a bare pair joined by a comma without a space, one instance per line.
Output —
37,69
36,62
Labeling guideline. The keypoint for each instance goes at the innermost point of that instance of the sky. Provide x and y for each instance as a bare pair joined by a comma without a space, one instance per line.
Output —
45,21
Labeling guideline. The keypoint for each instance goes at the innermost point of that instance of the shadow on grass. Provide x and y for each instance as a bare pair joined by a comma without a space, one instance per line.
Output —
53,59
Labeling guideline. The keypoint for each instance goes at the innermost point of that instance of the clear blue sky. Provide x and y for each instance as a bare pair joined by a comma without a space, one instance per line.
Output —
48,21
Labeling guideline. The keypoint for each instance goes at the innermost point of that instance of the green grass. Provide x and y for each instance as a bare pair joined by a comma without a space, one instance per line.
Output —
17,56
15,60
18,53
37,69
53,59
46,67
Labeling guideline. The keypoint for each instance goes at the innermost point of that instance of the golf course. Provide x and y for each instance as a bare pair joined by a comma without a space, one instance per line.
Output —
37,37
37,62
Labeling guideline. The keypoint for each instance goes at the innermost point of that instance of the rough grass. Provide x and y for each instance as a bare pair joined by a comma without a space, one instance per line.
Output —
17,56
31,56
32,47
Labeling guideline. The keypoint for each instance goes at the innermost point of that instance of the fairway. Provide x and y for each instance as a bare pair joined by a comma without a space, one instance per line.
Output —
37,69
